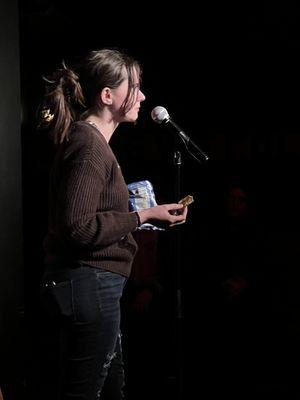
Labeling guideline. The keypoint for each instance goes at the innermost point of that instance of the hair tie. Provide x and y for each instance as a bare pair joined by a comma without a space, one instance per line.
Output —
46,115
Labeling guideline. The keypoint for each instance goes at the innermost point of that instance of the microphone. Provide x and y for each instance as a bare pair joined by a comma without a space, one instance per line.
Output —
161,116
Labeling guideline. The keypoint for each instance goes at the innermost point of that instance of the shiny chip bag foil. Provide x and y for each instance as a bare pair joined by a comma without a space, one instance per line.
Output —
141,196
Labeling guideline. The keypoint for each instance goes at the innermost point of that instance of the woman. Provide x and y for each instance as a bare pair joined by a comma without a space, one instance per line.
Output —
89,246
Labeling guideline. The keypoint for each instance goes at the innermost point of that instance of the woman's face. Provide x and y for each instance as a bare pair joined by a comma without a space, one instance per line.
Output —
119,96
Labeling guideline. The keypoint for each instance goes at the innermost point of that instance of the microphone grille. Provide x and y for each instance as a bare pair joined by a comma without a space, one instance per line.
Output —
160,114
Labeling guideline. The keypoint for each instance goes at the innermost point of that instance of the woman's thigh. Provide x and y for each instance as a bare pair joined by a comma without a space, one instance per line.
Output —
82,305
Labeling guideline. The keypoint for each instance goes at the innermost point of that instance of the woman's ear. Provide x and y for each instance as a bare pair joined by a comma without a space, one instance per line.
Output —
106,96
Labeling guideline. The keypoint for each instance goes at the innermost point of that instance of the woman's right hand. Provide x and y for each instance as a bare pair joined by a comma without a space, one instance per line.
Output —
172,214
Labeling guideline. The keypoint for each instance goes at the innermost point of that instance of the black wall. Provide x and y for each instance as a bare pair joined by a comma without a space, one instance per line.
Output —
11,261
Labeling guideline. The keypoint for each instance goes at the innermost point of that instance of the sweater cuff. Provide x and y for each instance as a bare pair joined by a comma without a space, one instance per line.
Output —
138,219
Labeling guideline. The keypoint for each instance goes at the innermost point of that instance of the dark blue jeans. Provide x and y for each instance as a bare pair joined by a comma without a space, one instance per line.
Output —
81,331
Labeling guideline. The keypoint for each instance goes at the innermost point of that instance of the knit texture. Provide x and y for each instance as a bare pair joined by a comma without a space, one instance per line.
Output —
89,219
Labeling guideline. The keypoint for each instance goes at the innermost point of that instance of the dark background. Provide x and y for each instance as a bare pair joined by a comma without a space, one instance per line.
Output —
229,77
11,245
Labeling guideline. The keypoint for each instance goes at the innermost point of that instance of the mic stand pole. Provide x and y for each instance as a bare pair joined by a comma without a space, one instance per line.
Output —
178,306
200,157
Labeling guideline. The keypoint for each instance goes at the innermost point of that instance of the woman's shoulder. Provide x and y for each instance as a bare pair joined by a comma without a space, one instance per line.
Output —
84,131
84,135
85,143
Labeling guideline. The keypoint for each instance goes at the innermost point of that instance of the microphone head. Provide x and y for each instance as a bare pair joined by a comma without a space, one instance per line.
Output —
160,114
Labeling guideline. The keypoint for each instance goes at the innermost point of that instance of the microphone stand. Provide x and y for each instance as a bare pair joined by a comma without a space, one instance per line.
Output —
160,115
178,307
177,160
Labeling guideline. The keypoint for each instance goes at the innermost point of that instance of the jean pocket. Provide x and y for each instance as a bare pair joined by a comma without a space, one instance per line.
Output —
57,299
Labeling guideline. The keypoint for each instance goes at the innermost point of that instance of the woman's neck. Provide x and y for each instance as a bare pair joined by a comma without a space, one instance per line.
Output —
104,126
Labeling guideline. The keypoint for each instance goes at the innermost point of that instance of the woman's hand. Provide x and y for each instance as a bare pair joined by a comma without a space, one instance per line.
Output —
172,214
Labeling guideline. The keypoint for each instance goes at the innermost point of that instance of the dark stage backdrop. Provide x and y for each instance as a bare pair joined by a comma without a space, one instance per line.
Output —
11,262
234,90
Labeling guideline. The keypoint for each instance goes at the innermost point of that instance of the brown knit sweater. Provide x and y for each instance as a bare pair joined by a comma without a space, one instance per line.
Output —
89,220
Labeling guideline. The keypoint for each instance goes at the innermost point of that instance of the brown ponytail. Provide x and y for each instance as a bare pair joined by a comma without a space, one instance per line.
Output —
63,103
